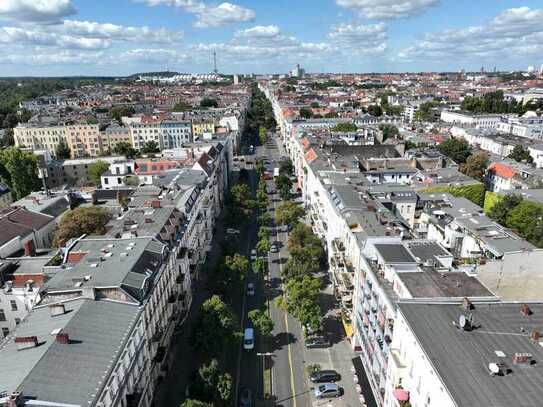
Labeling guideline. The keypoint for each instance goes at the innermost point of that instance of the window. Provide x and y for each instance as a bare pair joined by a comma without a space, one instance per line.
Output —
106,181
5,331
119,180
2,315
17,321
13,305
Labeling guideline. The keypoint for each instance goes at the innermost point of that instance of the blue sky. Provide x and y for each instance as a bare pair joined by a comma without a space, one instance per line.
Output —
118,37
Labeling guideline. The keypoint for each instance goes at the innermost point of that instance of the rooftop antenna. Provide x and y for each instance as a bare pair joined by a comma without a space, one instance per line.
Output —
215,70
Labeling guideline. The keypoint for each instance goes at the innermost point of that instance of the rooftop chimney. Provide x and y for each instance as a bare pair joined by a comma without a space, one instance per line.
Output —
525,310
8,287
25,342
535,335
57,309
63,337
522,358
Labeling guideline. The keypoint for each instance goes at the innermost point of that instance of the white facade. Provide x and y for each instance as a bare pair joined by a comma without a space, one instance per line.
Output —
116,176
480,121
15,304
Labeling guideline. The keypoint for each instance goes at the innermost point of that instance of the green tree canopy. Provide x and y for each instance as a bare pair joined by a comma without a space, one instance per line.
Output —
456,149
263,246
195,403
500,211
125,149
215,327
492,102
286,168
181,106
289,213
150,147
389,131
305,113
118,112
238,264
520,154
206,103
260,265
19,170
302,300
131,180
375,110
424,112
96,169
527,219
344,127
261,321
216,383
475,166
62,152
304,244
89,221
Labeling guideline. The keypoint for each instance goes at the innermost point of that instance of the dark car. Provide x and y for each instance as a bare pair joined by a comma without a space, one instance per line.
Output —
325,376
246,398
317,342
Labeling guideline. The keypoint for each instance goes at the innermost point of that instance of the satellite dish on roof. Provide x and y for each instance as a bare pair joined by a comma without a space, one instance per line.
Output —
494,368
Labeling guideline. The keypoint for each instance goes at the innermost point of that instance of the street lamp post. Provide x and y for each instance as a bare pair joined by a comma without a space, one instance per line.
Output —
263,370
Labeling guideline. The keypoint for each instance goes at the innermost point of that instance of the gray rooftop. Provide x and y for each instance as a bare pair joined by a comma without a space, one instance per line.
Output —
430,283
461,358
394,253
67,373
124,263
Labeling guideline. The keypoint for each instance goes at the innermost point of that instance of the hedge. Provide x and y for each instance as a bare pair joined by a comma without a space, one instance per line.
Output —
491,199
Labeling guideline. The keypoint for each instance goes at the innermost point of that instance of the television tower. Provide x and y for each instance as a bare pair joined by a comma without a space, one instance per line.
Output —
215,70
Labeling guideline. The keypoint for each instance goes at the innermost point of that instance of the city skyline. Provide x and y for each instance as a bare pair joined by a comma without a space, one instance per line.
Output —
71,37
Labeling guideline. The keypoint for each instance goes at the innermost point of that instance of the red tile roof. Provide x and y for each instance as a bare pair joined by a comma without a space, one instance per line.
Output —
502,170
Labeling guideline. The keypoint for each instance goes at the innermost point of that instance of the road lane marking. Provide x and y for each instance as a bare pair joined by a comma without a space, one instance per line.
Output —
292,385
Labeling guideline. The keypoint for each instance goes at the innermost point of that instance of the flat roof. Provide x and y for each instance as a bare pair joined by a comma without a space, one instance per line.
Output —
394,253
430,283
461,358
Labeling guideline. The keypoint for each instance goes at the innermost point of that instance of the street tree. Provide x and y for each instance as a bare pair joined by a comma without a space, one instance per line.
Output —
475,166
259,166
238,264
286,168
215,327
264,219
19,170
263,246
262,135
260,266
73,224
216,383
456,149
527,219
96,169
261,321
288,213
303,244
263,233
62,152
305,113
302,300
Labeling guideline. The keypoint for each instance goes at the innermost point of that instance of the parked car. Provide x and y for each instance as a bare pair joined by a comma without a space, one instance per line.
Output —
325,376
274,248
317,342
250,289
249,339
327,390
246,398
253,254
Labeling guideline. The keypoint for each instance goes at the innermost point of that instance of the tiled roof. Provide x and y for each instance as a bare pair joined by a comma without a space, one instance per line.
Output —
502,170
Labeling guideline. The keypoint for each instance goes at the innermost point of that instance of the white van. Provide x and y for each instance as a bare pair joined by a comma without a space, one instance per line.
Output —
249,339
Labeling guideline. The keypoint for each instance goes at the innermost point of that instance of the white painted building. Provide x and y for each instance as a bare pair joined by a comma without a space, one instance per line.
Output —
487,121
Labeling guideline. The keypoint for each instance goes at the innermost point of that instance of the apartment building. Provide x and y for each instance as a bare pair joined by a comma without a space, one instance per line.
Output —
114,134
83,140
39,137
486,121
438,343
165,133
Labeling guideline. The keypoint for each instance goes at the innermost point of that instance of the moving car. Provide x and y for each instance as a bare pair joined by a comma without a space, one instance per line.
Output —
327,390
273,248
325,376
249,339
246,398
317,342
250,289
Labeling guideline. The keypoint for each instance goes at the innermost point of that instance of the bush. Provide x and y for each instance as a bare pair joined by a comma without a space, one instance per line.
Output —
81,221
474,192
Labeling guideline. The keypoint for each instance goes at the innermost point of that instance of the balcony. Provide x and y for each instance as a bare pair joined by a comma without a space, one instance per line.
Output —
133,399
160,353
157,336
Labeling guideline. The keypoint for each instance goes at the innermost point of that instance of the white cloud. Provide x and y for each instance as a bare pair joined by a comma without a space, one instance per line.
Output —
512,33
58,58
358,35
265,31
387,9
153,55
209,16
21,36
119,32
84,35
40,11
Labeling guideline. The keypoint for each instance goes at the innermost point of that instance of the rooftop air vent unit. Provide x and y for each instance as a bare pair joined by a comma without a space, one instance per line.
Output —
495,369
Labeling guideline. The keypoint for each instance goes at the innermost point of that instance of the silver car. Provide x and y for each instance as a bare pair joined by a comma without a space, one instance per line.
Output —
327,390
